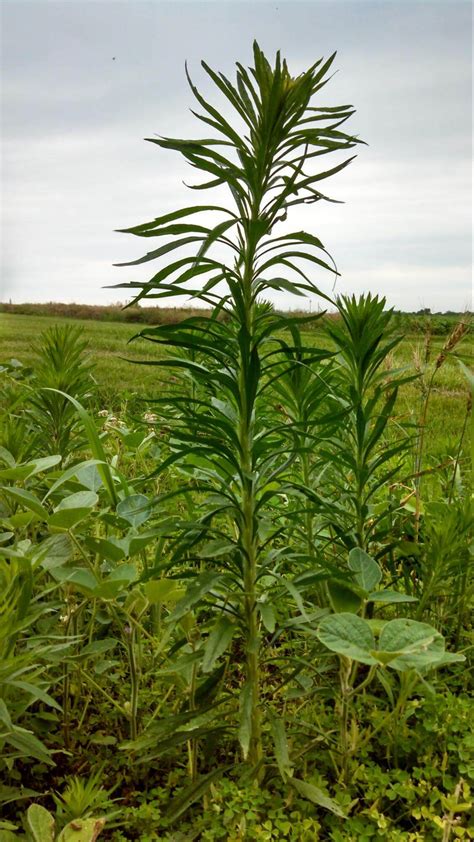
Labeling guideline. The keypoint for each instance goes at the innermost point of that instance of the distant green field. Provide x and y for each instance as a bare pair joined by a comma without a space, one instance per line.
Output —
117,378
120,380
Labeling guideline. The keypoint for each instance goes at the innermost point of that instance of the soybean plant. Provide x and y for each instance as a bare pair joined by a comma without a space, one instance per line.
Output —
226,436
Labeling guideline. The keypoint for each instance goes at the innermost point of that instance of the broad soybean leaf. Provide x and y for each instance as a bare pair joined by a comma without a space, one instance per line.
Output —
119,579
66,519
316,796
20,520
409,635
417,646
245,717
162,590
367,572
83,469
83,579
196,590
217,643
74,508
110,589
135,509
348,635
28,500
30,469
137,543
89,476
280,744
53,552
343,598
112,549
124,572
79,500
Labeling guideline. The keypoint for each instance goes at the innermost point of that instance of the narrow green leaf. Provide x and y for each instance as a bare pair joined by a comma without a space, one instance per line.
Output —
267,614
280,744
192,793
96,447
245,717
316,796
201,586
27,499
217,643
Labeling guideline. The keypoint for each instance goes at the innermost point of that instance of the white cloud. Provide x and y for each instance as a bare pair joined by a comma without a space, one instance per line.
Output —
85,82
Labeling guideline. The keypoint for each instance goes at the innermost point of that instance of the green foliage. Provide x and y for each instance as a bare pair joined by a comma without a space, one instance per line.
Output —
237,604
82,798
41,825
223,434
61,366
403,644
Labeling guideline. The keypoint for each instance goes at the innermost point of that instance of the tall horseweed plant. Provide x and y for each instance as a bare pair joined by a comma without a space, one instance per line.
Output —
238,453
253,470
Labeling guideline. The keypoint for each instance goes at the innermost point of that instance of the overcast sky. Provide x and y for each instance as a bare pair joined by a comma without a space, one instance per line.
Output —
85,82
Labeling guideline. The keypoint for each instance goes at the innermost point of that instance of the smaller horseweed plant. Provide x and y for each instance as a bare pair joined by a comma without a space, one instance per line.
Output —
234,594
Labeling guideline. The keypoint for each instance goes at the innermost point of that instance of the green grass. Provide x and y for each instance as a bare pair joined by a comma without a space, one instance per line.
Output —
120,381
116,377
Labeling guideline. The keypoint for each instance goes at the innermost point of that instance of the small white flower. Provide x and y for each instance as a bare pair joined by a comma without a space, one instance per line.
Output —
102,413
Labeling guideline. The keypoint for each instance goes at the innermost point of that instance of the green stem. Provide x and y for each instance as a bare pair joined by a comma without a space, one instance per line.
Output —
134,681
248,537
106,695
192,744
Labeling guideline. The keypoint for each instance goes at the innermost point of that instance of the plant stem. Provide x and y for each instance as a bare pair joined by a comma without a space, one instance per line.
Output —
192,744
131,641
248,537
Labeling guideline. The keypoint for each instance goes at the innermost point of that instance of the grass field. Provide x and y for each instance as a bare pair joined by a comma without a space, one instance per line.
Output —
121,381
